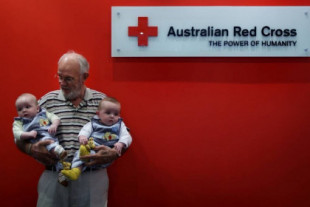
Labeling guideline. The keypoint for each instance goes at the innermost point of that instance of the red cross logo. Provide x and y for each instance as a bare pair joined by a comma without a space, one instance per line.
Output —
142,31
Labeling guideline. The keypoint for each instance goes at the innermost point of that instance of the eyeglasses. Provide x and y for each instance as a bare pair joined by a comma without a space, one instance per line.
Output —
66,79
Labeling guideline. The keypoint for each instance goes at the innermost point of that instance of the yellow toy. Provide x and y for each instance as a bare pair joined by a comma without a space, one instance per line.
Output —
85,149
66,165
74,173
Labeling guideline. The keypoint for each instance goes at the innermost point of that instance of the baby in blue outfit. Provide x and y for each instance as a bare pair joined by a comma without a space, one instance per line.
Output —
34,124
106,128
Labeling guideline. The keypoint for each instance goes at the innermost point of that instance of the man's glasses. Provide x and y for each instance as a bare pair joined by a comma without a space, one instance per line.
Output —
66,79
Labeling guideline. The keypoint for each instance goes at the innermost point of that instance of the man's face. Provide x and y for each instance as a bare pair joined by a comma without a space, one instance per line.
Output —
70,79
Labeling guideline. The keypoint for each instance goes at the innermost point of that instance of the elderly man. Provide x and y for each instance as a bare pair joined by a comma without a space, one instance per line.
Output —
75,104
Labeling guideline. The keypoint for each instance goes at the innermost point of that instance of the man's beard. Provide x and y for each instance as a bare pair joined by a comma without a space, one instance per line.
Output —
74,93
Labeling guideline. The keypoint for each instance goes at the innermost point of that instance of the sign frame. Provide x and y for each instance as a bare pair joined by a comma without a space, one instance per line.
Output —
210,31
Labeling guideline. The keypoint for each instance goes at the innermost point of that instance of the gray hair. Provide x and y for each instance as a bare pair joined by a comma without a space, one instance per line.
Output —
84,65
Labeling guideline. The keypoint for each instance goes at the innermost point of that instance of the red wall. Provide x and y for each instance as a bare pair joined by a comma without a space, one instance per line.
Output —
217,132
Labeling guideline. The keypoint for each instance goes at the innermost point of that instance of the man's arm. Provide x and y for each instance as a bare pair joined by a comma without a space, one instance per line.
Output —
106,154
38,151
103,155
23,146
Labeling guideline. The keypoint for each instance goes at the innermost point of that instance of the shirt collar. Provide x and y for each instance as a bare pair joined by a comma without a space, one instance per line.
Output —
88,95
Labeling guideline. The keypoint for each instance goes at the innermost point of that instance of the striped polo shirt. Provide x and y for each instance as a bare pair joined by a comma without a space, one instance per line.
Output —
72,118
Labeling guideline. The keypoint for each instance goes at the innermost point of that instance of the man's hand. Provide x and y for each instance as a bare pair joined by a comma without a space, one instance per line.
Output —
39,152
103,155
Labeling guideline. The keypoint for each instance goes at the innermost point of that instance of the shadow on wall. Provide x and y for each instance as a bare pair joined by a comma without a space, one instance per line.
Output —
214,70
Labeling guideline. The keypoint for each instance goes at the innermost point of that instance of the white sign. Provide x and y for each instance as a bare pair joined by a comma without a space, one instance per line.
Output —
215,31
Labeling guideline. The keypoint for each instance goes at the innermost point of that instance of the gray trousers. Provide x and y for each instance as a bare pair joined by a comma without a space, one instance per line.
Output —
90,190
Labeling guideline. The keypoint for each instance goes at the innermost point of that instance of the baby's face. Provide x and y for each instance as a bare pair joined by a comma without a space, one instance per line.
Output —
26,107
109,113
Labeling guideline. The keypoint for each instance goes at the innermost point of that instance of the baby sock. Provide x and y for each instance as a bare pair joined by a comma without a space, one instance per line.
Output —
60,152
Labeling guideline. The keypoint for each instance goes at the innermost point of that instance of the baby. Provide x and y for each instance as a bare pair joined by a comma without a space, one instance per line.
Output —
106,128
34,124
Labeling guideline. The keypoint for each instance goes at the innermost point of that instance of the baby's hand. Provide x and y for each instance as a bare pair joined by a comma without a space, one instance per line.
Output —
33,134
118,147
83,140
52,130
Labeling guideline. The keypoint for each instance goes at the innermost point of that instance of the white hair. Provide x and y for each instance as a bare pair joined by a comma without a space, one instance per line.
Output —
84,65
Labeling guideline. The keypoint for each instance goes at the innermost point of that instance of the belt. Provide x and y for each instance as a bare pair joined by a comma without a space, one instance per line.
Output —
51,168
88,169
